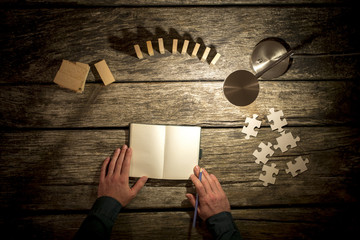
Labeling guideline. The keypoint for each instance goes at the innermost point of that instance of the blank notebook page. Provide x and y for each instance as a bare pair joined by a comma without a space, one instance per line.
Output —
182,146
148,150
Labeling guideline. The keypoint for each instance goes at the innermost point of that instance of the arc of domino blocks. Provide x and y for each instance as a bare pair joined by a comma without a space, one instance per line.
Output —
174,50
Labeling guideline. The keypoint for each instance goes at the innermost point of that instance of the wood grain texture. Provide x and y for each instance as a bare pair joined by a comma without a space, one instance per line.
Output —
169,2
53,141
48,170
185,103
36,40
262,223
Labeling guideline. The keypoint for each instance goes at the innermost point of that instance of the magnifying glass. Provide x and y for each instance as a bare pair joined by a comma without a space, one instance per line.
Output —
242,87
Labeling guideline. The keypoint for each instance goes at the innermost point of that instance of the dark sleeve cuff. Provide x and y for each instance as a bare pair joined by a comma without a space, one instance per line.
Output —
98,224
106,208
222,226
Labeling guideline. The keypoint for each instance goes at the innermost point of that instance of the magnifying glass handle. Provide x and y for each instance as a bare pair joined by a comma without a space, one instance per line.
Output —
273,64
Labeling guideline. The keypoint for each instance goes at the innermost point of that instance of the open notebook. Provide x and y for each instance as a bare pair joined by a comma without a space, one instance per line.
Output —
164,152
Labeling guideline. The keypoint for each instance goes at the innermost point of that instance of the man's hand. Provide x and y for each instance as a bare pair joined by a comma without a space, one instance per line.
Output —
212,198
114,177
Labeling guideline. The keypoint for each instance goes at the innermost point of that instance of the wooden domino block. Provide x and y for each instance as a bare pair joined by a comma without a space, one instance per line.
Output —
138,51
104,72
72,75
174,46
87,69
150,48
185,47
215,59
161,46
196,49
205,55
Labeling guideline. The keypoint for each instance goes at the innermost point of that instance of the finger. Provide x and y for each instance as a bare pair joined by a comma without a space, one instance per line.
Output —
196,171
206,181
113,161
125,170
139,185
200,189
210,180
120,160
217,184
103,168
191,198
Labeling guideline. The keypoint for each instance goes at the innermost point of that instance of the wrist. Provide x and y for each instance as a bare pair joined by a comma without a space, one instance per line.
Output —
221,222
106,206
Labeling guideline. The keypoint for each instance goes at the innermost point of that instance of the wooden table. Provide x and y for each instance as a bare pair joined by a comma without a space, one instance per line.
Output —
53,141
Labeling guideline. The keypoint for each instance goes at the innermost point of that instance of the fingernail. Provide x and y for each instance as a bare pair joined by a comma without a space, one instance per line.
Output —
197,168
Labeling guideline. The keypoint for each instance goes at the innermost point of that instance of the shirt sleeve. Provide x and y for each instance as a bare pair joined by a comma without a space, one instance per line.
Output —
98,224
222,226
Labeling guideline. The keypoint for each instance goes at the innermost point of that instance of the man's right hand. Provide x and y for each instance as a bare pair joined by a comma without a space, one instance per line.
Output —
212,198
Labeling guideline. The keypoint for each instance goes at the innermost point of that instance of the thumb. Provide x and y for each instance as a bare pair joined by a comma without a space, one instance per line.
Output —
139,184
191,198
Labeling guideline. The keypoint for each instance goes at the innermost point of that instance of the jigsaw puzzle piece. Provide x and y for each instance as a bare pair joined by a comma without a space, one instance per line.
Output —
285,140
275,117
269,177
298,167
252,124
262,155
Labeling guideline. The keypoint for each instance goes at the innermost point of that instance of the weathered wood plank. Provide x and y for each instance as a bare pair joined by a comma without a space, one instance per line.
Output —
49,170
276,223
36,40
168,2
189,103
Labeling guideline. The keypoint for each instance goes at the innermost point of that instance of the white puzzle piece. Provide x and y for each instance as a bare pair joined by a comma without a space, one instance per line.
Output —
298,167
275,117
262,155
249,129
285,140
269,177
